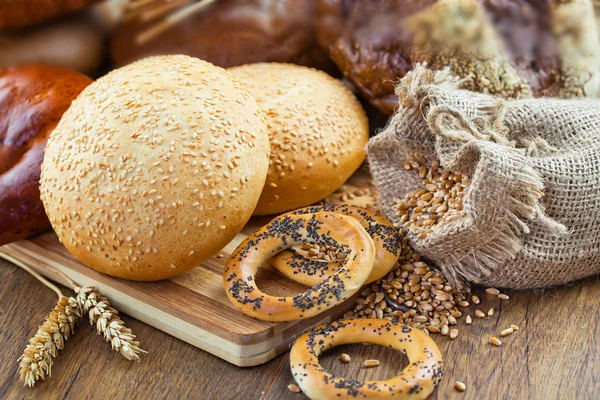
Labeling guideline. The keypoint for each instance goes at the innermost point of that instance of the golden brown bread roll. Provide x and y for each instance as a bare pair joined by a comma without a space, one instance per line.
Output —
317,130
32,101
77,43
155,167
224,32
513,49
18,14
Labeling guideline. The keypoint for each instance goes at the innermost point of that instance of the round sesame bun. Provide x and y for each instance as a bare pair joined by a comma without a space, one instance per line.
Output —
155,167
317,129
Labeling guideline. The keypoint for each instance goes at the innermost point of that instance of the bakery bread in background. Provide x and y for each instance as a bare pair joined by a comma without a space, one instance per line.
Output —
155,167
19,14
224,32
76,42
513,49
32,101
317,130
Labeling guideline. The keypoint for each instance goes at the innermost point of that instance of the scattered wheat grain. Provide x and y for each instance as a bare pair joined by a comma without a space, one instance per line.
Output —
371,363
292,387
506,332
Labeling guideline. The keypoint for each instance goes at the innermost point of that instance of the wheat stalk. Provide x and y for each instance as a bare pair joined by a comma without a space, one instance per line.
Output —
108,323
59,325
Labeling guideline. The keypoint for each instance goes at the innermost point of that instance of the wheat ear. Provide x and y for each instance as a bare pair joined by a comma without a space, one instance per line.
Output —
59,325
36,361
108,323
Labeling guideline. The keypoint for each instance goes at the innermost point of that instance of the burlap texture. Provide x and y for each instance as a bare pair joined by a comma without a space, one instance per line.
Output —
533,207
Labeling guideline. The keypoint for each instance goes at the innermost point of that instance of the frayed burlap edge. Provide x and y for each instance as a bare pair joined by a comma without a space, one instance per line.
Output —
472,247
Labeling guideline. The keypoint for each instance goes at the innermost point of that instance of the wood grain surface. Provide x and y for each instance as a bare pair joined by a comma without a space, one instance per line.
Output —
554,355
192,307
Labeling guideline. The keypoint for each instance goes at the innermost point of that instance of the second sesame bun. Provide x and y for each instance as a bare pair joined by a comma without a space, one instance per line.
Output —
155,167
317,130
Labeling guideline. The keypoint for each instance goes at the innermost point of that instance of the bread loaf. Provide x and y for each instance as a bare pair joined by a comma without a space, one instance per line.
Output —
155,167
317,129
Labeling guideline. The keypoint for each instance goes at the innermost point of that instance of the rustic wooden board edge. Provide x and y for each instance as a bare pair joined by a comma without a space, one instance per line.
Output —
242,355
239,355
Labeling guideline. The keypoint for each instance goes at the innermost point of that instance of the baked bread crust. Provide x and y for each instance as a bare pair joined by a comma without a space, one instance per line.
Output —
514,49
32,100
226,33
19,14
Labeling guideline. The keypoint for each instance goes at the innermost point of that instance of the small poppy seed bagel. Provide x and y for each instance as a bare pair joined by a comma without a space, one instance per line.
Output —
416,381
317,129
287,230
155,167
307,271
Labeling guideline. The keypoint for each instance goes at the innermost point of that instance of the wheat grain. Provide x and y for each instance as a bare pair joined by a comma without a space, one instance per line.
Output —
412,293
371,363
292,387
441,200
108,323
354,195
461,387
36,361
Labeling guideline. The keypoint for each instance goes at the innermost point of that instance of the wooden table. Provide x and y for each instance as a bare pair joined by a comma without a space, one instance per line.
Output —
554,355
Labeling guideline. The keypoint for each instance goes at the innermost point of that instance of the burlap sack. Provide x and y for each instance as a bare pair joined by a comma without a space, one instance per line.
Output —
533,207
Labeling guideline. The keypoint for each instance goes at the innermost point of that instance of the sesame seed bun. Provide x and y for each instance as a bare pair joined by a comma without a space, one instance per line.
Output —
155,167
317,129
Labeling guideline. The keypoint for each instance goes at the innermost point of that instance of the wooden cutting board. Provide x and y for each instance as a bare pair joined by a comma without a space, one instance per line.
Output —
192,307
